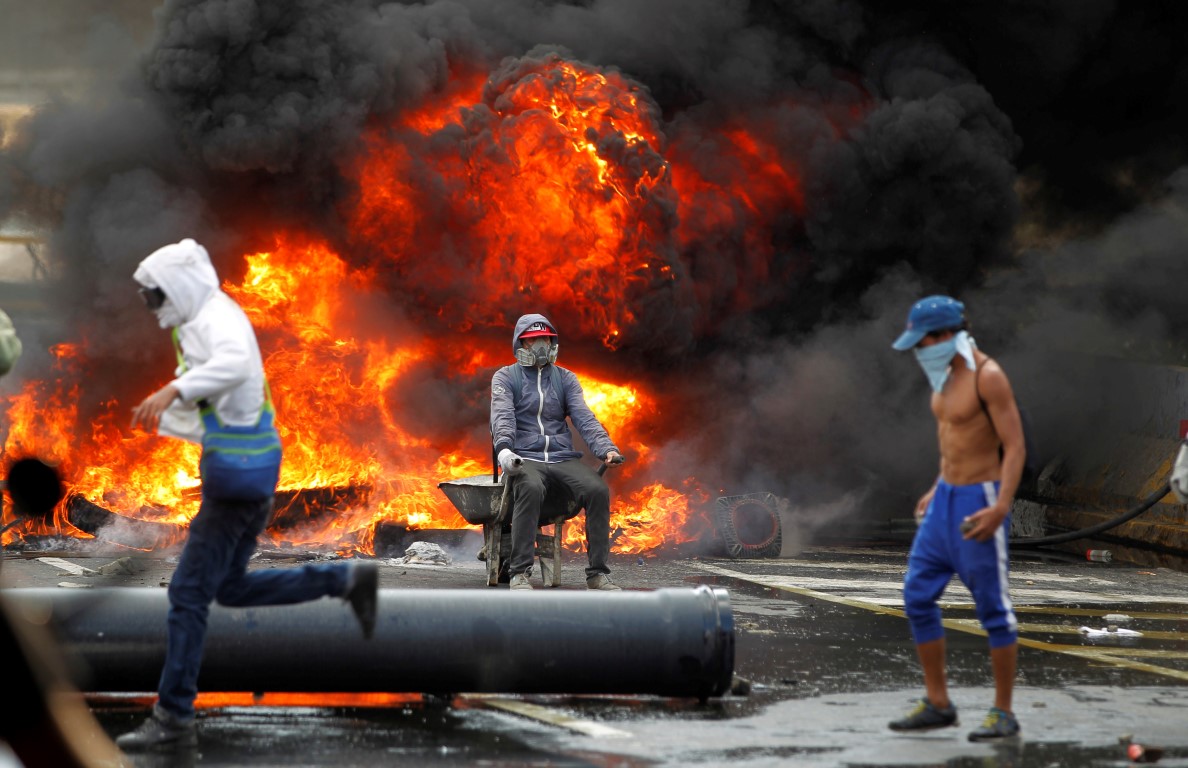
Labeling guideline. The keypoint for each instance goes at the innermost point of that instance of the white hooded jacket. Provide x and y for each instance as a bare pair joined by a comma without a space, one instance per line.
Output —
223,363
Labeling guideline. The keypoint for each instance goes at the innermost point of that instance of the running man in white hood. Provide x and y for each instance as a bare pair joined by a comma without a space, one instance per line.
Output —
219,390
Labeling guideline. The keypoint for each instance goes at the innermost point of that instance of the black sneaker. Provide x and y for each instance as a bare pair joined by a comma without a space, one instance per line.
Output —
363,595
161,729
925,717
999,724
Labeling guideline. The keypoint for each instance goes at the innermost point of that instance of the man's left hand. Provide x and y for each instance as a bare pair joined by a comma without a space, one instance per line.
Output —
981,525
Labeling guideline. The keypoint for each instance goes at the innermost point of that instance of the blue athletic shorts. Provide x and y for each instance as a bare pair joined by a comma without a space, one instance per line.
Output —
939,551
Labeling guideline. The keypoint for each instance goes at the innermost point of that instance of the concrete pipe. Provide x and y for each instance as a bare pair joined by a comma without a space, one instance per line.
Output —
667,642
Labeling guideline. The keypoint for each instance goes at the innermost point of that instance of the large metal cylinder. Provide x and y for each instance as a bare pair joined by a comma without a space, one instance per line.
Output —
667,642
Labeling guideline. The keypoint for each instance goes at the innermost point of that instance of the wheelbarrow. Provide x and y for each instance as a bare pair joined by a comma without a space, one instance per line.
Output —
486,500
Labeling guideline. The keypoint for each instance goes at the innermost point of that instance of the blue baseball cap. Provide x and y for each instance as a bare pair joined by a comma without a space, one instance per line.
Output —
933,313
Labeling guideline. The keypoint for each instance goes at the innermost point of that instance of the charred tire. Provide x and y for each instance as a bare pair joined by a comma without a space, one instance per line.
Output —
750,525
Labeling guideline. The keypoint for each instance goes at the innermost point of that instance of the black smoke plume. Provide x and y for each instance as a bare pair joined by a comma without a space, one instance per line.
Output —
995,151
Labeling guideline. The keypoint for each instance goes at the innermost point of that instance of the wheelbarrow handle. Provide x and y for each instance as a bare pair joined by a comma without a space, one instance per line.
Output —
603,467
495,466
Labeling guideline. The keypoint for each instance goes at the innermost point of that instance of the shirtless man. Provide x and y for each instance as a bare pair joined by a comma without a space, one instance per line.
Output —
964,518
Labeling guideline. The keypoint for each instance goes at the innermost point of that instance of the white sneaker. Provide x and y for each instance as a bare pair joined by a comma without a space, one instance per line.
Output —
520,581
602,582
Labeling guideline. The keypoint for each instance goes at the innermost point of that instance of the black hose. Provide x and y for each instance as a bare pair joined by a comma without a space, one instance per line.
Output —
1093,530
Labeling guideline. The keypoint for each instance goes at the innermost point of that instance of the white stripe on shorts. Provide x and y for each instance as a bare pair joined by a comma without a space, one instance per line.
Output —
1000,556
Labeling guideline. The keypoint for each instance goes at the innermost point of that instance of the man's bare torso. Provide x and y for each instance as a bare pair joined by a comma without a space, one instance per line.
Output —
969,446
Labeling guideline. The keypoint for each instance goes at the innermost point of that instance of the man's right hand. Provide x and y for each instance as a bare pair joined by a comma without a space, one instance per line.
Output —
1179,475
922,504
148,413
511,462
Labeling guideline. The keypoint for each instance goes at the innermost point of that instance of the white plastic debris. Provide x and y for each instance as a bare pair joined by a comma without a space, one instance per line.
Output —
73,569
1110,631
124,566
423,553
1116,618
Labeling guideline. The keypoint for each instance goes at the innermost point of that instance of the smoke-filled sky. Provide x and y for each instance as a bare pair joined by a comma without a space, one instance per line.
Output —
1024,156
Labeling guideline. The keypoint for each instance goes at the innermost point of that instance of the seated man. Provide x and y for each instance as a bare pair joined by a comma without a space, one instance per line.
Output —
530,400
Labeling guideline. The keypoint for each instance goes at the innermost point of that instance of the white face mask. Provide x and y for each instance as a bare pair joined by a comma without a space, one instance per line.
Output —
168,315
936,359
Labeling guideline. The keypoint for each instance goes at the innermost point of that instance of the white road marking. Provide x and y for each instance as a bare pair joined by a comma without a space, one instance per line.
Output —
551,717
891,607
889,592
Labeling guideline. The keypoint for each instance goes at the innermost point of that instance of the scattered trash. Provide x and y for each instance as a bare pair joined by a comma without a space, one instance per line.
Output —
73,569
72,585
1113,630
1142,754
740,686
639,561
1099,555
1116,618
1139,753
423,553
124,566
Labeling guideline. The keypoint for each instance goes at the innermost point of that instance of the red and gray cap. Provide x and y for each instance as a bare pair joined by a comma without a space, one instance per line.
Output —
530,326
537,329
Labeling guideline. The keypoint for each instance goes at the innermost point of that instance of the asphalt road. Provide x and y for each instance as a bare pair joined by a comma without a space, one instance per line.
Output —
820,637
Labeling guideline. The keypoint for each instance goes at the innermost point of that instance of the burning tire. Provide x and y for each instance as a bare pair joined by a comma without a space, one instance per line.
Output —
750,524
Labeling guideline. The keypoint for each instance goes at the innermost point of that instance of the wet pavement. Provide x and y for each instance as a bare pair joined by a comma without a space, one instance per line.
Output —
820,638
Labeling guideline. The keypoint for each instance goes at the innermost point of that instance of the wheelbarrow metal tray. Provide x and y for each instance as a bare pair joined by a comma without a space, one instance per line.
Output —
476,498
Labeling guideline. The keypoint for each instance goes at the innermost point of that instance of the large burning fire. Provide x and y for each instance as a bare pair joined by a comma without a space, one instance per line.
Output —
553,190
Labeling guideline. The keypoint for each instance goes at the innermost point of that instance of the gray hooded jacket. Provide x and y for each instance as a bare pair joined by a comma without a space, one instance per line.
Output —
528,416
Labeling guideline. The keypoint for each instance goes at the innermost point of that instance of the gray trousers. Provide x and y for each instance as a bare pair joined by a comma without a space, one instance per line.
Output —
528,492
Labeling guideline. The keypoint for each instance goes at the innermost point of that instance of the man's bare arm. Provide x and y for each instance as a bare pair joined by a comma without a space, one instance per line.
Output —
925,500
996,392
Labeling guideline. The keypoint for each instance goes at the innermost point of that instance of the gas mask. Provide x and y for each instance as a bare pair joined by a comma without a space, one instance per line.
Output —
540,352
167,313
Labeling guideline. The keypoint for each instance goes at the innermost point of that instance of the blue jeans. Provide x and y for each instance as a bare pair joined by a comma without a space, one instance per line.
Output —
213,566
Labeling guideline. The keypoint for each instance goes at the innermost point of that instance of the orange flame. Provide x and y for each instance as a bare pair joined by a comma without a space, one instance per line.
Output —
337,428
545,187
557,193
